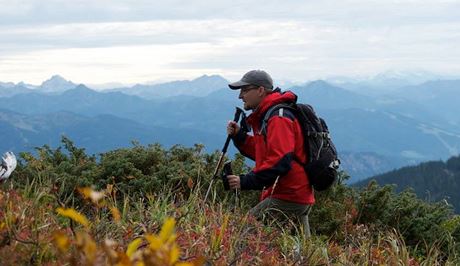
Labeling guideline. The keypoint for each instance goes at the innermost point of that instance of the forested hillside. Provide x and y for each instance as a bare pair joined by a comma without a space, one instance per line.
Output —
432,181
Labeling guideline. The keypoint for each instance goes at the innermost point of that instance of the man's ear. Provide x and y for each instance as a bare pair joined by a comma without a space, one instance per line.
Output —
260,90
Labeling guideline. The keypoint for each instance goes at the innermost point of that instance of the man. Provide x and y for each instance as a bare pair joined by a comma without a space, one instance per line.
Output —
277,151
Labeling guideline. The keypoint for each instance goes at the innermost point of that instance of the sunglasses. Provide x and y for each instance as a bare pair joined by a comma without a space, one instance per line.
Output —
248,88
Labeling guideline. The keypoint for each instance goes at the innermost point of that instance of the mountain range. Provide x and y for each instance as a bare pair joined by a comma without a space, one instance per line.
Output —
96,134
200,86
55,85
373,134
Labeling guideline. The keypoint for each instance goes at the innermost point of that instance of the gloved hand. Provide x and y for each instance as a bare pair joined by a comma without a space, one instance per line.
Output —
8,165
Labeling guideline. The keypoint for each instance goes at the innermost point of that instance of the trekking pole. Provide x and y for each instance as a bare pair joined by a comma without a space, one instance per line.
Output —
238,113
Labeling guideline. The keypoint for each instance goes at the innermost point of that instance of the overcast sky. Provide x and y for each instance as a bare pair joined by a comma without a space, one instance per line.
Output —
91,41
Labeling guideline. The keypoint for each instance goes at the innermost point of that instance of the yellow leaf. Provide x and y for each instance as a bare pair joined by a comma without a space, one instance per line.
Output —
89,193
115,214
133,246
123,260
74,215
174,254
90,250
155,243
167,230
184,264
61,240
172,238
84,191
87,244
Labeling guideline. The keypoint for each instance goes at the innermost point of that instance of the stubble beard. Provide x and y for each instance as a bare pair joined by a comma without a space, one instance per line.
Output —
246,107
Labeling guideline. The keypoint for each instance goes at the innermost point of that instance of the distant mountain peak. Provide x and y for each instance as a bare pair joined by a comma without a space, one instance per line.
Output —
322,85
54,79
319,82
7,84
81,87
205,76
56,84
200,86
57,76
80,92
209,77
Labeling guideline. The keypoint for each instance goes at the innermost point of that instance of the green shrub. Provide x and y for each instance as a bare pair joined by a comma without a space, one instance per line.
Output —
184,172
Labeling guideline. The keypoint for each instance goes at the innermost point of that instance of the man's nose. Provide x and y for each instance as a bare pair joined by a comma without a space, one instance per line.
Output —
240,96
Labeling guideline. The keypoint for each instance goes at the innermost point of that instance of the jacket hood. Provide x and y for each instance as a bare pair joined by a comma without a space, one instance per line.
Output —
274,98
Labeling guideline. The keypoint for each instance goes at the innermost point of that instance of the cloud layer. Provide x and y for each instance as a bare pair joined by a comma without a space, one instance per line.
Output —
121,41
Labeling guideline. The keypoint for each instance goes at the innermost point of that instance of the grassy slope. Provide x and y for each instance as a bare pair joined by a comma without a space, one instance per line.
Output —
212,231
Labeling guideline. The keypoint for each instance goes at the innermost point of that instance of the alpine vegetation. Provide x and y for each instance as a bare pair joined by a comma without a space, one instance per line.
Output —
145,205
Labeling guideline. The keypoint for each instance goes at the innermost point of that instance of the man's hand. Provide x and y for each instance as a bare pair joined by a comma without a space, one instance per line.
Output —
232,128
234,181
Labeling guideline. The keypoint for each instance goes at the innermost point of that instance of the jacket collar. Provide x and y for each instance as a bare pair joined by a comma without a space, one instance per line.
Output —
274,98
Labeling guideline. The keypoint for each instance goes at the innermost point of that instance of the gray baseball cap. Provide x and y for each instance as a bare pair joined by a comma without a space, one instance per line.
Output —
253,77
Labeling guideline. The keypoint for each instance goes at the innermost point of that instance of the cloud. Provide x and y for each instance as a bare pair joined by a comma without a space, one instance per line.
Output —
345,11
121,41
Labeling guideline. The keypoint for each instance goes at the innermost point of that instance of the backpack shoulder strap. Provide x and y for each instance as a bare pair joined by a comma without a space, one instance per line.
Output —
282,110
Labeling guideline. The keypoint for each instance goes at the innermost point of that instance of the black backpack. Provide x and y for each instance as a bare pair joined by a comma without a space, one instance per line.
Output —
323,161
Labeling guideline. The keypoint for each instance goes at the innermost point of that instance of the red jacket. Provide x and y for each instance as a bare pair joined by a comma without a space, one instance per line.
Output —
275,153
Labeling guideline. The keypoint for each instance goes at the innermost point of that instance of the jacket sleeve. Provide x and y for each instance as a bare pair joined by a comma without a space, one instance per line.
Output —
280,144
245,144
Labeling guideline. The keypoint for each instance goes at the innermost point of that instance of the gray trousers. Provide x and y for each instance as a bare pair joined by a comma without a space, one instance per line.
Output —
281,211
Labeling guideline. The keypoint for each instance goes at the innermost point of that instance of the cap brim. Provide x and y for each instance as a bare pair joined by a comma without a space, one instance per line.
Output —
237,85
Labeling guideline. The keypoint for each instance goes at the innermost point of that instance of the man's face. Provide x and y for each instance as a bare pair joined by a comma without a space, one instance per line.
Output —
251,96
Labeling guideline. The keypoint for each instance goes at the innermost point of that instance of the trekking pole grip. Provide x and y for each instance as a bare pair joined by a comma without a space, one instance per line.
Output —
238,113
